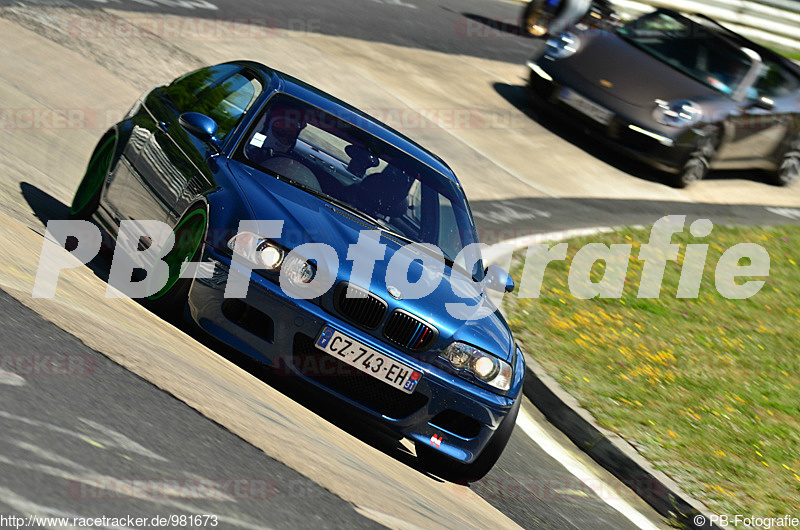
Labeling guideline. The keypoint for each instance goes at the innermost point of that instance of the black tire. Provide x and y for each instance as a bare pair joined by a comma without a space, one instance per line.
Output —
170,301
789,168
87,196
449,469
698,162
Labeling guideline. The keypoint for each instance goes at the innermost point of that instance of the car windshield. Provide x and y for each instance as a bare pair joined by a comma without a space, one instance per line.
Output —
364,175
691,48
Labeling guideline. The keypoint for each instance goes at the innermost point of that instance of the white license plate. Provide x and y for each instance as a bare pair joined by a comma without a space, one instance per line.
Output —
589,108
367,360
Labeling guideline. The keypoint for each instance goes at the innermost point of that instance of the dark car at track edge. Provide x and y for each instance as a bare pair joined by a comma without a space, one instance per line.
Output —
679,92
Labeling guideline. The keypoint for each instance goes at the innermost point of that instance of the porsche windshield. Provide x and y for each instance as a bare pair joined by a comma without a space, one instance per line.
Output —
691,48
340,161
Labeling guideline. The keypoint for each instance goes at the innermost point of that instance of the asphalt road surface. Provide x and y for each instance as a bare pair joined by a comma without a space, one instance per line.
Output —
478,28
83,437
80,433
90,439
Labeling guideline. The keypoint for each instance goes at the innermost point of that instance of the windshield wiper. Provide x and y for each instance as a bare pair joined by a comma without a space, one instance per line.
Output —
382,225
347,207
378,223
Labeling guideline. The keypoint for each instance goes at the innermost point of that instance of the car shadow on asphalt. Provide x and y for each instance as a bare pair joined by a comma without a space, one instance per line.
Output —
47,208
493,25
519,96
588,141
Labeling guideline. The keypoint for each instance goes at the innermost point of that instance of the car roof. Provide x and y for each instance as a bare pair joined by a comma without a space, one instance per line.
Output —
292,86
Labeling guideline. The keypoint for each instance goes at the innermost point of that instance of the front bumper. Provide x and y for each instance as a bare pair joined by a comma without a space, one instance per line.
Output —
664,150
280,331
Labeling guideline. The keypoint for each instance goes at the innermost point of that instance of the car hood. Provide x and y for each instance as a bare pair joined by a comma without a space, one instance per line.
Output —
309,219
607,63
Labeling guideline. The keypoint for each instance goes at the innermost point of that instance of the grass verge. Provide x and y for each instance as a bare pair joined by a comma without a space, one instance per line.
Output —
708,389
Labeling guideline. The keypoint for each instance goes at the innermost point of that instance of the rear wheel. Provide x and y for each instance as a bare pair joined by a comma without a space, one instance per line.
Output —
87,196
789,170
447,468
189,232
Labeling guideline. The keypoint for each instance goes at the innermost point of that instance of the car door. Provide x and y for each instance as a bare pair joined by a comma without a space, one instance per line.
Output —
759,127
138,192
227,103
169,164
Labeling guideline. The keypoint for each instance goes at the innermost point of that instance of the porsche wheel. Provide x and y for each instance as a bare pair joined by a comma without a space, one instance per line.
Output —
449,469
189,233
789,170
698,163
87,196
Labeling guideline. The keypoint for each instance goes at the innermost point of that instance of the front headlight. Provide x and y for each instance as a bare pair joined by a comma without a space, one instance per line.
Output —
271,256
482,365
680,113
257,249
299,271
562,46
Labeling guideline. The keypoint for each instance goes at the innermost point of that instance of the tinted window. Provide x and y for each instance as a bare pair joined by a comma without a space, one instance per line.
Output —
185,91
690,48
775,82
341,162
228,101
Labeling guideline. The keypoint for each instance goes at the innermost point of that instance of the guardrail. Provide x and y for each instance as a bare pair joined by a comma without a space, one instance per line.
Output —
773,22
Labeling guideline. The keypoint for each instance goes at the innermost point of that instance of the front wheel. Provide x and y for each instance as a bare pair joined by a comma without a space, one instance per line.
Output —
698,163
447,468
189,233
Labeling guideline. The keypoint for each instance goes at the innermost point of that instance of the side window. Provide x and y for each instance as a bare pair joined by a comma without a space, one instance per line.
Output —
775,82
228,101
185,91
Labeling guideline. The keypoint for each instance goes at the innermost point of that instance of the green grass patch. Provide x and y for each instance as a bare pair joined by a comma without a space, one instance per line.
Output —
790,54
708,389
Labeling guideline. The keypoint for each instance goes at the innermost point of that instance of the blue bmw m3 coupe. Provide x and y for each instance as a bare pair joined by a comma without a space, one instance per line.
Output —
323,243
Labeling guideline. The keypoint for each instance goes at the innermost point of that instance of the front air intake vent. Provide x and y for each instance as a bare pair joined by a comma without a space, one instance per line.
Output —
360,306
409,331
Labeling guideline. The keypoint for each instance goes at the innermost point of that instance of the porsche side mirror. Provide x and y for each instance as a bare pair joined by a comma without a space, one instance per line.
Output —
201,127
497,279
763,103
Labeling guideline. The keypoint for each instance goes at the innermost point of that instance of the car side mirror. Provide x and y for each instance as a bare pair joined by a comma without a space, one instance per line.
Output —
763,103
201,127
497,279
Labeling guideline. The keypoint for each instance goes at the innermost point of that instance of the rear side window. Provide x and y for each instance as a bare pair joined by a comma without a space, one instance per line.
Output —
228,101
187,89
774,81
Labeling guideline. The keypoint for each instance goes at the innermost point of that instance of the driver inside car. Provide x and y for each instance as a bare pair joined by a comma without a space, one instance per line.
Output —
272,146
